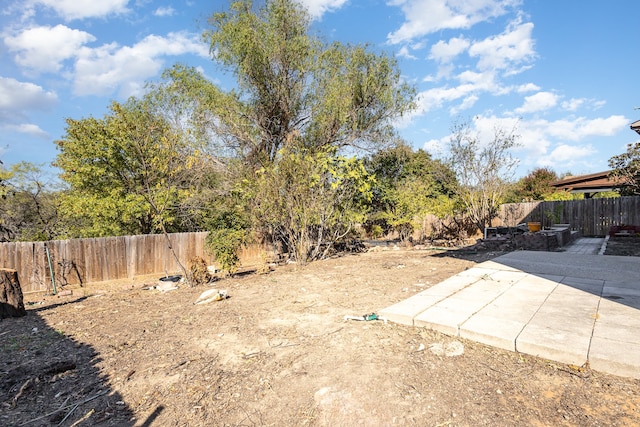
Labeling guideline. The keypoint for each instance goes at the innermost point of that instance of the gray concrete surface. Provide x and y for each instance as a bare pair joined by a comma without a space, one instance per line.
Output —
571,307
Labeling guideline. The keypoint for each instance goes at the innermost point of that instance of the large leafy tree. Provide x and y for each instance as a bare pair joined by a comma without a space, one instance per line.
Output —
300,105
626,168
536,186
409,185
294,89
126,172
484,170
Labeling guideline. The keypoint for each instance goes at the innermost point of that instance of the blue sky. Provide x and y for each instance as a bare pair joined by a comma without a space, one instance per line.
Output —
562,72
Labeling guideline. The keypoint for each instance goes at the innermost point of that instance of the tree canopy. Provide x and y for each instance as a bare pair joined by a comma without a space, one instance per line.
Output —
409,185
126,172
292,89
29,207
484,170
282,142
626,167
300,108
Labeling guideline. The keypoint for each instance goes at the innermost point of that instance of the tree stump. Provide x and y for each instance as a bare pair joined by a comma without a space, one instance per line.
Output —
11,302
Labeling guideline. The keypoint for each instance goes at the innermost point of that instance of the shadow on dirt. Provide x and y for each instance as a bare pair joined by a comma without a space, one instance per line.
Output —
47,378
469,254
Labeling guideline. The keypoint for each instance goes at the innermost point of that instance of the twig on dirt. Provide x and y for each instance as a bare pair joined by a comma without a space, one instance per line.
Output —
62,408
177,365
283,345
580,373
87,415
496,370
22,389
328,333
81,403
250,355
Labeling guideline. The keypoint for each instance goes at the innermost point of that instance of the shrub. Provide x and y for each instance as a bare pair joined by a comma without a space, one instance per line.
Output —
224,245
199,272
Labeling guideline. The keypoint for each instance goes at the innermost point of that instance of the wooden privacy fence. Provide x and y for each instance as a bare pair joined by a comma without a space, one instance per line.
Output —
81,261
591,217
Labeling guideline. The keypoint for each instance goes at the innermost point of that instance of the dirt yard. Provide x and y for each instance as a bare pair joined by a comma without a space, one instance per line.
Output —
625,246
279,352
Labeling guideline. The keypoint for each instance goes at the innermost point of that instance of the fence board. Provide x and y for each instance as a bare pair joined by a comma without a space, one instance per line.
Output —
81,261
591,217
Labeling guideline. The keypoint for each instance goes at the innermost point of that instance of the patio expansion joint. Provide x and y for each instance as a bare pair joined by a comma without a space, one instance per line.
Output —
595,319
484,277
515,341
444,297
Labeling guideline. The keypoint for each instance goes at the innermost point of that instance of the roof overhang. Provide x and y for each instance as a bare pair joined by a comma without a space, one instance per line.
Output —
591,183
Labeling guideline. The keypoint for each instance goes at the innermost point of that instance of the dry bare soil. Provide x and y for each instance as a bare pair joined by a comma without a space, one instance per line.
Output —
279,352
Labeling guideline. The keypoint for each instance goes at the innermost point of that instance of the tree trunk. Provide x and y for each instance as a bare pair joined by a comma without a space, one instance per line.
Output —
11,303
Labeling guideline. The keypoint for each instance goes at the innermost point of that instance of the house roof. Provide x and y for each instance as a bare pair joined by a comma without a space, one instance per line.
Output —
591,183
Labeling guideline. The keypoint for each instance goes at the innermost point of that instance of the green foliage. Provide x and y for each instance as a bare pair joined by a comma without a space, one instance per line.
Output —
563,195
293,89
534,186
228,233
126,172
606,195
4,175
626,169
165,162
309,200
409,186
298,102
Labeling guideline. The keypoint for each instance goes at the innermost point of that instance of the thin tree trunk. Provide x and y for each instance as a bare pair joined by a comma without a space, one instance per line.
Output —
185,274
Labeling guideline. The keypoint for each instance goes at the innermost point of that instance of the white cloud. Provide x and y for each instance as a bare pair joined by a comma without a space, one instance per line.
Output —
80,9
17,101
428,16
18,98
570,153
43,49
26,128
164,11
317,8
472,84
504,51
103,70
538,102
573,104
527,87
404,53
446,51
435,98
560,144
479,80
436,147
467,103
576,129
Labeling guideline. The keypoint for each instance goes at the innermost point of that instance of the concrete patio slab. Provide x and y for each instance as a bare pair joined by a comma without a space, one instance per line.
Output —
615,357
562,306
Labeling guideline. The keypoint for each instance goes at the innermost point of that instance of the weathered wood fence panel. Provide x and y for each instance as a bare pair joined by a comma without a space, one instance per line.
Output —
591,217
80,261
